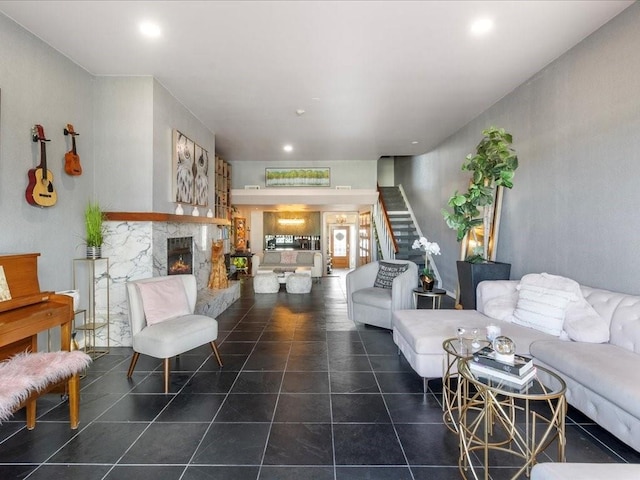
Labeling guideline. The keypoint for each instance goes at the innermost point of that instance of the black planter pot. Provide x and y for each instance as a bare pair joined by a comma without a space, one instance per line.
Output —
471,274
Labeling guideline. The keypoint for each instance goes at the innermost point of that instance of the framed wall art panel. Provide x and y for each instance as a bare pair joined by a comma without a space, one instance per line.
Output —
183,168
298,177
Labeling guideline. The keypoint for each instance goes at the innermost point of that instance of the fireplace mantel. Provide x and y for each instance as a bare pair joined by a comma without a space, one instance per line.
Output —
162,217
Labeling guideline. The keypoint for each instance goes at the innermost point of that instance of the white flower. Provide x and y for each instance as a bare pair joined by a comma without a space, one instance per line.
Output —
431,248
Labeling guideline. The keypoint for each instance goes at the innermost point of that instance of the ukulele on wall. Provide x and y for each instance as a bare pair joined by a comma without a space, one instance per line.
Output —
71,159
40,191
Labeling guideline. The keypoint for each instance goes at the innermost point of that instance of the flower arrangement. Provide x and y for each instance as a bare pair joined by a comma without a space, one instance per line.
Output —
430,248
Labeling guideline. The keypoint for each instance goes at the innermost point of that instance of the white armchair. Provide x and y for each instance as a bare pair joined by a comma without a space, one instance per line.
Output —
162,321
375,305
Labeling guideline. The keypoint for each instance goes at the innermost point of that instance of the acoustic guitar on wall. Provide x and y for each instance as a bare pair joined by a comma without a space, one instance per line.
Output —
40,191
71,159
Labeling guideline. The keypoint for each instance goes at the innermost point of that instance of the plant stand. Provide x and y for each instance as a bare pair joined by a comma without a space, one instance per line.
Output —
471,274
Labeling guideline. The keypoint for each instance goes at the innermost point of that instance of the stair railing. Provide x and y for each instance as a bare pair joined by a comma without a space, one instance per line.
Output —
419,232
387,241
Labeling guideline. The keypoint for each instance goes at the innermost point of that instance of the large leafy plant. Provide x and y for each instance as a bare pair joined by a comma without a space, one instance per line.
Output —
493,165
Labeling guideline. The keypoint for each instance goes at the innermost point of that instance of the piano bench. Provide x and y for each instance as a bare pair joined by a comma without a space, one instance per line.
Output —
26,376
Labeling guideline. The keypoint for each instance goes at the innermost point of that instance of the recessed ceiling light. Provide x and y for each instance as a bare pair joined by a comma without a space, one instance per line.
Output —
300,112
415,142
288,148
150,29
482,26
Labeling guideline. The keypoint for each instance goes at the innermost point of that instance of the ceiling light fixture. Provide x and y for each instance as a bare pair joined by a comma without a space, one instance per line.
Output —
288,148
150,29
482,26
291,221
415,142
300,112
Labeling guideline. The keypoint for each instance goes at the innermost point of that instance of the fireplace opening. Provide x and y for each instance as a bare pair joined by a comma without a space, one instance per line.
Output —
179,256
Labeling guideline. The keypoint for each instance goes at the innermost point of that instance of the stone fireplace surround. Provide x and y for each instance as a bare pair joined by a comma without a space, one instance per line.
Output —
136,245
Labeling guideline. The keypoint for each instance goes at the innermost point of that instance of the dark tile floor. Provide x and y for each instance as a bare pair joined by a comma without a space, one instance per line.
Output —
304,394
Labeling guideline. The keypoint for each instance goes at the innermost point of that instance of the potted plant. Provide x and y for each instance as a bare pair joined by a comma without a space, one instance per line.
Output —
493,167
427,275
94,226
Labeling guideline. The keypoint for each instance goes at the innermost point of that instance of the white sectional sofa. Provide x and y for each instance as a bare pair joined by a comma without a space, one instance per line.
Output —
599,359
288,260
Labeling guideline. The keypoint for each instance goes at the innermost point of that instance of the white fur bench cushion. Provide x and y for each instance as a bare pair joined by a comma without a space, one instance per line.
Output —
27,373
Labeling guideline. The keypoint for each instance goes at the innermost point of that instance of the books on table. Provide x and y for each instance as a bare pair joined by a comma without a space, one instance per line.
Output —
510,379
514,374
486,356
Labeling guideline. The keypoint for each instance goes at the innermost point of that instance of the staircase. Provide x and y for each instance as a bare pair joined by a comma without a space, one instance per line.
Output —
404,229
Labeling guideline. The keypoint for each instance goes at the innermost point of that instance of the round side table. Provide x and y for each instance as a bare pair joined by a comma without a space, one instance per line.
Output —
436,296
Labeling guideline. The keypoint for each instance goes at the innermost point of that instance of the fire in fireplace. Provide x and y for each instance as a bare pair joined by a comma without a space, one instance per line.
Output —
179,255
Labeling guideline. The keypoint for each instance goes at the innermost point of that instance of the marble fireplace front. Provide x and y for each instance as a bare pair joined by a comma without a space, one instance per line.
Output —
138,249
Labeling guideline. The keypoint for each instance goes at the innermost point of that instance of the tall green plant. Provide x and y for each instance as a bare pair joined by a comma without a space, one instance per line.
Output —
493,165
93,219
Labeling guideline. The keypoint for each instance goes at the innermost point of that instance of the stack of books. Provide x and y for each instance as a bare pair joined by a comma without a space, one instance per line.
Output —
516,374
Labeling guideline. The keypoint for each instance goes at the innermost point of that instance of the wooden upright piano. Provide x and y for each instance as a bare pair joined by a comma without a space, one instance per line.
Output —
30,311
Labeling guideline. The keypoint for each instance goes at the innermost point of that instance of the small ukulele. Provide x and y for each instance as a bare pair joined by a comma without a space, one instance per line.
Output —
40,191
71,159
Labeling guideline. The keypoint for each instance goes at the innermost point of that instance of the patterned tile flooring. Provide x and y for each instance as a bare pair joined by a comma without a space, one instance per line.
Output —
304,394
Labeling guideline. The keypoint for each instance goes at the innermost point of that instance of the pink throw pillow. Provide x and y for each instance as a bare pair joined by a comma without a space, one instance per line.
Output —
288,257
163,300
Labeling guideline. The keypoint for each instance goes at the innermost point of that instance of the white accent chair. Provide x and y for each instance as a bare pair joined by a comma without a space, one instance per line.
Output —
170,337
375,305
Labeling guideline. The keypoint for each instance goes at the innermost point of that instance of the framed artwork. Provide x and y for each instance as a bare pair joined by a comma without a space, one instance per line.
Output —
297,177
201,177
183,168
240,233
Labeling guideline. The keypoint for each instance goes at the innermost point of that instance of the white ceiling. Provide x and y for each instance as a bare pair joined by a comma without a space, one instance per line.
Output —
372,76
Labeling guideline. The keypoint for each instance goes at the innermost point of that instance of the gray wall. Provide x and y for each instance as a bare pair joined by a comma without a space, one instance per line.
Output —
574,208
124,146
355,173
41,86
168,114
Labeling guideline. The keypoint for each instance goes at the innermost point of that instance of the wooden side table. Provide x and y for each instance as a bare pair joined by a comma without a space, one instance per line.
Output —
436,296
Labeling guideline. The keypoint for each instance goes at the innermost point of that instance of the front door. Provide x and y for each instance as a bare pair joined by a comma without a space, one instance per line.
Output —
340,246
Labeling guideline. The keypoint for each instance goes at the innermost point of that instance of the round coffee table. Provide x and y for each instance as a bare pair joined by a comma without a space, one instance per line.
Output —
436,296
454,389
519,421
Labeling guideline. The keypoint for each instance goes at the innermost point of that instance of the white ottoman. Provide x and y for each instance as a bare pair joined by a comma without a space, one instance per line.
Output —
266,282
299,283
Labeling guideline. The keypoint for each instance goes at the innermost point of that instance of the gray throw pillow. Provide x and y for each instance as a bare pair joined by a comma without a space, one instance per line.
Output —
271,258
387,272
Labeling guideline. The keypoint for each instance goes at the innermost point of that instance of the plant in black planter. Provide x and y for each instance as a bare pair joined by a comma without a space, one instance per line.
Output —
492,166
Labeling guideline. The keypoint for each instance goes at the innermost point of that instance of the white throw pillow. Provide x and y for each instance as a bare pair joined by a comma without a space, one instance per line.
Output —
543,300
163,300
502,307
583,324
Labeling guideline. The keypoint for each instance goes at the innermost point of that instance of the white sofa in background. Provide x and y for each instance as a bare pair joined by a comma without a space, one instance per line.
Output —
600,368
287,259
